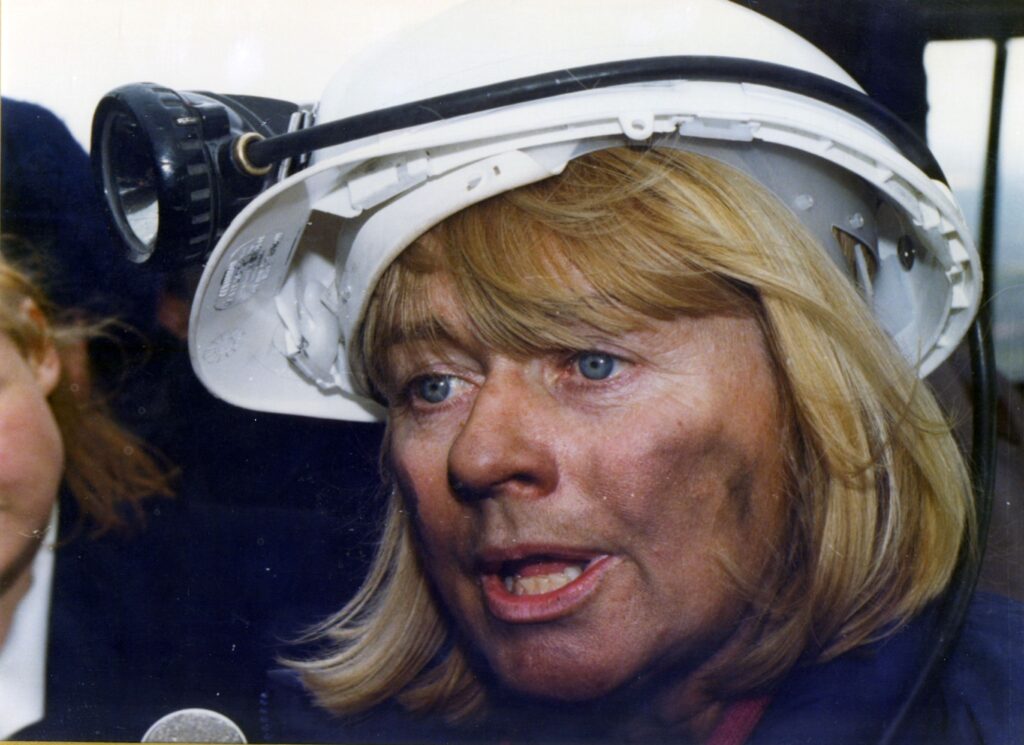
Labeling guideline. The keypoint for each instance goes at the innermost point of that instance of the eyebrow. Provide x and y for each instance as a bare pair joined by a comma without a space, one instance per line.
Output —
433,332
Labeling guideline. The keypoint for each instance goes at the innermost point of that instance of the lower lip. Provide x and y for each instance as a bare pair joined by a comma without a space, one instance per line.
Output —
547,606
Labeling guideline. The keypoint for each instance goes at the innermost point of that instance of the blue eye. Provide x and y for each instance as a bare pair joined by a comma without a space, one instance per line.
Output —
596,365
433,388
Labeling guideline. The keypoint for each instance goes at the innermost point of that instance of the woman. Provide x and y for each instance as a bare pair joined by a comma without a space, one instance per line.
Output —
637,460
53,432
660,464
117,606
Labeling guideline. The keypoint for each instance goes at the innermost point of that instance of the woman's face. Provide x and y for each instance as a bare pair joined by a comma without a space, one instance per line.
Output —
31,457
573,509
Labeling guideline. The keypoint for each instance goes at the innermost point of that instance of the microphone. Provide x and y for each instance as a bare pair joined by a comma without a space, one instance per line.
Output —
194,725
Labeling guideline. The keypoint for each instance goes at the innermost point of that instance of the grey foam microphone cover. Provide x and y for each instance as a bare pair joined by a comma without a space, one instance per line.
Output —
194,725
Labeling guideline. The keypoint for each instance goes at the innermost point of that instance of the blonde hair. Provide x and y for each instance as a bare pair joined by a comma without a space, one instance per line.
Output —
879,494
107,470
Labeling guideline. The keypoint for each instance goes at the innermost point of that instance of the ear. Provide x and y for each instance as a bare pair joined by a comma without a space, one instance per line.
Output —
45,360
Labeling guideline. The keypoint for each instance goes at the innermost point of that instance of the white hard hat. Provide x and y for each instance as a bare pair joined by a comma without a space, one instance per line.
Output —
541,83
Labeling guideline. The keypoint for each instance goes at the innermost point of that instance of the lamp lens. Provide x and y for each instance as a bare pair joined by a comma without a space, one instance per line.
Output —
132,181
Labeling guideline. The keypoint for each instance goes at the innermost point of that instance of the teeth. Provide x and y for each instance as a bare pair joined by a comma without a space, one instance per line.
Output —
542,583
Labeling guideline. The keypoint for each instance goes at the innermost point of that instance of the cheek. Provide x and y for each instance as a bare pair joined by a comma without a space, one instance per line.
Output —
420,469
657,469
703,485
444,530
31,465
31,450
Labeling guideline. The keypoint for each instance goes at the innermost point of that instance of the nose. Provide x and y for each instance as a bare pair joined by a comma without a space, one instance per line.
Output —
506,446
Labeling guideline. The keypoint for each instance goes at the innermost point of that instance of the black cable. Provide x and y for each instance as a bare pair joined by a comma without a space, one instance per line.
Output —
987,228
956,601
604,75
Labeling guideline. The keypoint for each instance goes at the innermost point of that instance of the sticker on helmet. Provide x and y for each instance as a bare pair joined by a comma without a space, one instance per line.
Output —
247,269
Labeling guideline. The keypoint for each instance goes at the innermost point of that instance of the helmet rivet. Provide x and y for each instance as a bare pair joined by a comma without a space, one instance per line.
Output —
856,220
803,202
907,252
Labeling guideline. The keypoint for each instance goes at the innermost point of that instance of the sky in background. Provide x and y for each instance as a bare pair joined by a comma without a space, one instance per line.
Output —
959,95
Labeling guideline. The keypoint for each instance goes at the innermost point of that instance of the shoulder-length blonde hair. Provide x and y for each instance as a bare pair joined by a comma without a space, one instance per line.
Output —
107,470
879,498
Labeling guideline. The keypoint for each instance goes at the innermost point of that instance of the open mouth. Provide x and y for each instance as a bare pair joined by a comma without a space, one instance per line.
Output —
541,587
539,576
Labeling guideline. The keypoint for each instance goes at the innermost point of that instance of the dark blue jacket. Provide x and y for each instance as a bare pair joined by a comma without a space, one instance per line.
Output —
189,612
979,698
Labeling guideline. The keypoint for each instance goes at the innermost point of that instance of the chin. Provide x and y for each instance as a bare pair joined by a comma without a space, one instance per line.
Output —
558,675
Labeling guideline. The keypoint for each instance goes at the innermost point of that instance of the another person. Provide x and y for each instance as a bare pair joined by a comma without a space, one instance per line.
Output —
119,605
59,445
48,195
